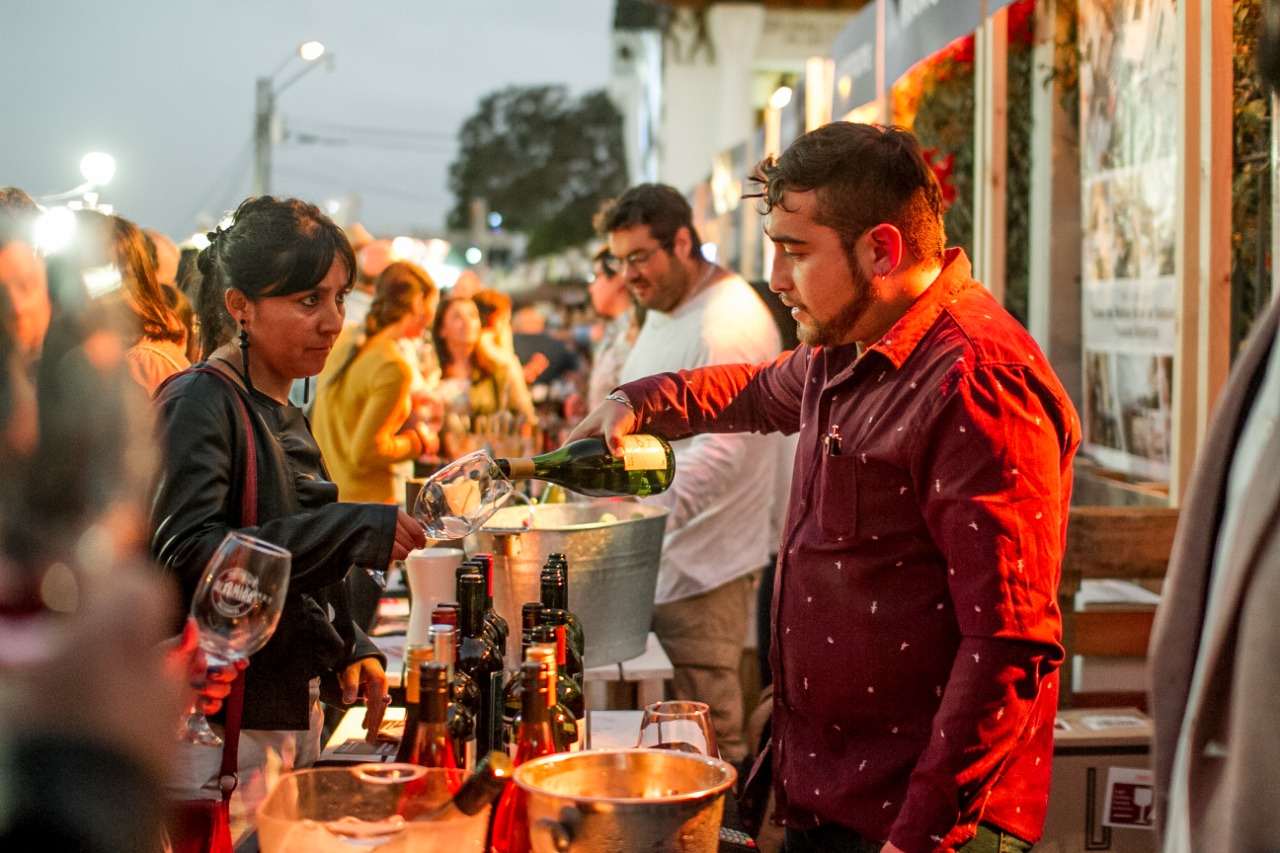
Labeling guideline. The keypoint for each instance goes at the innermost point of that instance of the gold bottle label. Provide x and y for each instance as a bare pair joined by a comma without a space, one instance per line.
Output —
643,453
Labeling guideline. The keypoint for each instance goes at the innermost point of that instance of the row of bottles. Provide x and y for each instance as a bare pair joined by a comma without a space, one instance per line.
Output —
454,688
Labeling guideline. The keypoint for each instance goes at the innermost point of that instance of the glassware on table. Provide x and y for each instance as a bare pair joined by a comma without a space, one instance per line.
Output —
679,725
461,496
236,607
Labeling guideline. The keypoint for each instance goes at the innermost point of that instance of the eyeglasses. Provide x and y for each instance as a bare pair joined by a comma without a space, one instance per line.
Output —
638,258
607,266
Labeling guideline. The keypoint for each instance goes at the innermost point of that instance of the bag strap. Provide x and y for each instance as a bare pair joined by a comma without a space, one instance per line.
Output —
228,778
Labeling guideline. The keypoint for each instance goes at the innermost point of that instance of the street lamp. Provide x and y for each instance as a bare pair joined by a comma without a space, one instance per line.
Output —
264,116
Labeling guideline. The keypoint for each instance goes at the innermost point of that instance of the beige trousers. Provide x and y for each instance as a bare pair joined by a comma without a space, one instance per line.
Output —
704,637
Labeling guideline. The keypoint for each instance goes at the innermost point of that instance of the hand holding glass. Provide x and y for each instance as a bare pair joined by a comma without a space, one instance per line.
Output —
680,725
236,607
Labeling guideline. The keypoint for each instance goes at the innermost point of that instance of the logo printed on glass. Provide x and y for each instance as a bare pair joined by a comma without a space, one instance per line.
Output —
235,593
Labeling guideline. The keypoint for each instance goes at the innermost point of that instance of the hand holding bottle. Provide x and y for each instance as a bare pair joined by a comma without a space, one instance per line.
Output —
612,420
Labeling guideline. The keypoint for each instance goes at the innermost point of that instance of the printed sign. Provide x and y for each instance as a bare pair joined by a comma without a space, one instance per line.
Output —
1130,797
916,29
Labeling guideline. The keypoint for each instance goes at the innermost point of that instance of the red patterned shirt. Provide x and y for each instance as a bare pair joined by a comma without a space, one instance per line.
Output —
916,626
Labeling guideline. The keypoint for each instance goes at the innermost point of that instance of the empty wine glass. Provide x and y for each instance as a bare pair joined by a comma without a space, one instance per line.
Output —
236,607
681,725
461,496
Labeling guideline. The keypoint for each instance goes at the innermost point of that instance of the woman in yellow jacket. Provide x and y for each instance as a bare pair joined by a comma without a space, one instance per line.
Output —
363,397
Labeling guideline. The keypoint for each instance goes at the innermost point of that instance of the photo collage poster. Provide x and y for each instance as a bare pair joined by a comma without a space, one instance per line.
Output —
1128,132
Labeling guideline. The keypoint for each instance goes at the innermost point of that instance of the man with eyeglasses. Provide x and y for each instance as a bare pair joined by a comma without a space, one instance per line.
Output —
697,314
916,632
612,301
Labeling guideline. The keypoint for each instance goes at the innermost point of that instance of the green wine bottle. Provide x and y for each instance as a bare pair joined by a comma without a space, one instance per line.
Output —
645,467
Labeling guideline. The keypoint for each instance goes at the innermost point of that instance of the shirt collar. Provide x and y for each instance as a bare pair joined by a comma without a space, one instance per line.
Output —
900,341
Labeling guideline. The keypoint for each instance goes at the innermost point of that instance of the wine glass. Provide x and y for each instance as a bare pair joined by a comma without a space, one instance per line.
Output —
461,496
681,725
236,607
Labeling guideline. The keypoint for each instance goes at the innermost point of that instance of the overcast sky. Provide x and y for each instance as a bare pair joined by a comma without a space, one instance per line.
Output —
167,88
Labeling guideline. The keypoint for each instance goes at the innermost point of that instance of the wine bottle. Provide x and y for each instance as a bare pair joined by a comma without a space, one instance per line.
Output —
493,617
553,584
530,618
414,657
478,659
568,691
493,772
464,698
574,667
511,820
645,467
471,566
432,746
565,723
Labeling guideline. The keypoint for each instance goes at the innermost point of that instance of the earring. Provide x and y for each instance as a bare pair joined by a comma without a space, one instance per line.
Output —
244,353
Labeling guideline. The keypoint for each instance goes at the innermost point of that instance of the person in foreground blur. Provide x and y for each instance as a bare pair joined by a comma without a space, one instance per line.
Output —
1215,643
22,271
717,526
363,397
271,308
87,674
916,638
612,301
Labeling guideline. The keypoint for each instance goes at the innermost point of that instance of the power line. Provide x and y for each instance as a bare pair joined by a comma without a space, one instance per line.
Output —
365,187
338,127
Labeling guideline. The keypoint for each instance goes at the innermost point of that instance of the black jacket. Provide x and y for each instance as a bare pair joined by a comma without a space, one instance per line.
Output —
201,437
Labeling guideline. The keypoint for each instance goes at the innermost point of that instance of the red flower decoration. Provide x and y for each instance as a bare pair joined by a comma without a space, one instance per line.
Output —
942,169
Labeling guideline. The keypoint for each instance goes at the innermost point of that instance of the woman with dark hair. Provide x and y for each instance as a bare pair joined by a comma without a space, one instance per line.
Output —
364,396
160,350
271,308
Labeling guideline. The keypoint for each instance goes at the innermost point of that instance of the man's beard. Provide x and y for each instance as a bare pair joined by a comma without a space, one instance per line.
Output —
836,330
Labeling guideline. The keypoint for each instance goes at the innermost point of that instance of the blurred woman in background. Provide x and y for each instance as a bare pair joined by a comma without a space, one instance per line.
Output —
160,349
364,402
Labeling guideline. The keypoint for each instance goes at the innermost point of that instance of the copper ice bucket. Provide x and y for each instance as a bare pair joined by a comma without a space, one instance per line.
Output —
625,801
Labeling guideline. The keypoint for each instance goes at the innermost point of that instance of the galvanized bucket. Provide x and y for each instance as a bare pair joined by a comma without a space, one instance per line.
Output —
613,548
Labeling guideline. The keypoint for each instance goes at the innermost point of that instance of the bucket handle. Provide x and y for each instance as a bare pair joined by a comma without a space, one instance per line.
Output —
561,833
388,774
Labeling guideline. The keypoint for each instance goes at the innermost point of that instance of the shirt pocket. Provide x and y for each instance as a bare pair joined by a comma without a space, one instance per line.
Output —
837,495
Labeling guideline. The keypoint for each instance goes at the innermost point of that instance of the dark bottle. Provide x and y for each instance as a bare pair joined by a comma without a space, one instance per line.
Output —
414,657
553,585
530,618
464,698
493,772
573,665
473,567
491,616
568,726
645,467
535,738
568,691
432,746
478,659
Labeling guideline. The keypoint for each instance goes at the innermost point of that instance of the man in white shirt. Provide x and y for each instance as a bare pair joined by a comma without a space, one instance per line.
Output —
721,499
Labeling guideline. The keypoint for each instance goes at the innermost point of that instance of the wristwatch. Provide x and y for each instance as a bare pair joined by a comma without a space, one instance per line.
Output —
620,398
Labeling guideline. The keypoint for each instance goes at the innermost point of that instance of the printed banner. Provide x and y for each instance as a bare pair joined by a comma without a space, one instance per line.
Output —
854,55
917,29
1128,103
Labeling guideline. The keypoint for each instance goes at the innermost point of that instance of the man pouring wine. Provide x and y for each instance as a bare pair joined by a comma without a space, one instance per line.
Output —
916,635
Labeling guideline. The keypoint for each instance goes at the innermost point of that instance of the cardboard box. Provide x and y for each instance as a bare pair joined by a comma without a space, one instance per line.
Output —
1100,795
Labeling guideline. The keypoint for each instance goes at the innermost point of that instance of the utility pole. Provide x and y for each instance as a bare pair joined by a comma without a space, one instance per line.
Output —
263,115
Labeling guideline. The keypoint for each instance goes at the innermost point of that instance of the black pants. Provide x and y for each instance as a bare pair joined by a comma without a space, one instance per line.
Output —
833,838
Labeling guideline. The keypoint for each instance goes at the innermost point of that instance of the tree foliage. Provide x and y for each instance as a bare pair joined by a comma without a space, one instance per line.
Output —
542,159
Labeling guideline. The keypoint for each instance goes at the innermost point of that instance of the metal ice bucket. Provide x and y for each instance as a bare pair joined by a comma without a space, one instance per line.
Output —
625,801
613,567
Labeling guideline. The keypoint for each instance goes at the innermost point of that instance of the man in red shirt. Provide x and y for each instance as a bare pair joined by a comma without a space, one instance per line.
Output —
916,629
